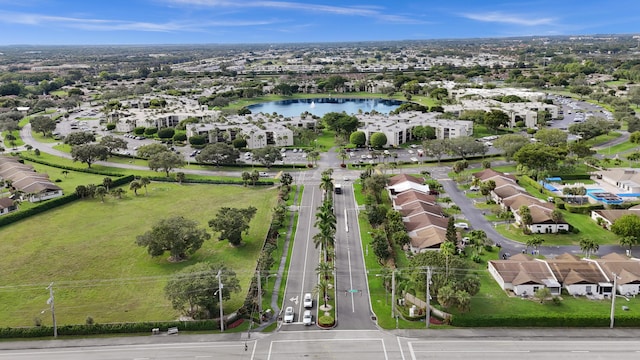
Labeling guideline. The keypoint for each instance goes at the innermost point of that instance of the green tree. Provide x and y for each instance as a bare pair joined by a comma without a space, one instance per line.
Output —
588,246
165,161
232,222
551,137
101,192
447,249
180,177
451,234
534,242
542,294
246,177
147,151
135,186
436,148
525,216
89,153
424,132
510,144
378,140
177,235
43,124
166,133
539,156
193,291
144,181
286,179
107,182
325,269
218,154
495,119
358,138
267,156
627,227
79,138
113,143
341,123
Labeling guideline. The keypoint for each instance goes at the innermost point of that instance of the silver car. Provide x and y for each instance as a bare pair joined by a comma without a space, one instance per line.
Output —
307,318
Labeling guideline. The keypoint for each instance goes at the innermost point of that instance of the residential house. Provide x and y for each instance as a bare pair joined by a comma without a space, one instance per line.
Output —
523,275
542,221
625,269
7,205
627,180
579,277
409,197
607,217
24,180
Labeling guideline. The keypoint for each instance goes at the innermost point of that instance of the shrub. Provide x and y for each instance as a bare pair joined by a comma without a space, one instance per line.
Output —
111,126
197,140
180,137
139,130
150,131
326,321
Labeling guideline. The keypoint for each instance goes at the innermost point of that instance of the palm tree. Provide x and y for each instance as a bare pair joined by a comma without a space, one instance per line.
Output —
478,240
101,191
246,176
144,181
107,183
534,242
342,155
326,184
588,246
324,270
180,176
64,173
117,192
322,288
135,186
447,249
628,241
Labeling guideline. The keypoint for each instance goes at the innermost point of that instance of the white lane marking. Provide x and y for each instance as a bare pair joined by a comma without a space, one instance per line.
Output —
353,304
306,251
400,347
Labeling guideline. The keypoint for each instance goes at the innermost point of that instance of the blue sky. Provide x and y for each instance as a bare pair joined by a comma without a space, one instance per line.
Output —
77,22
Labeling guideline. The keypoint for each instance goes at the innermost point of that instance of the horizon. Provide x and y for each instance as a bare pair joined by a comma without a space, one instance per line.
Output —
259,22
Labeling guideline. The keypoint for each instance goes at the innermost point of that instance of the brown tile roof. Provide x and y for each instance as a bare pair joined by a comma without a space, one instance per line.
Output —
487,174
404,177
408,197
416,208
423,221
5,202
569,271
508,191
621,265
516,201
542,214
429,238
519,272
613,215
40,186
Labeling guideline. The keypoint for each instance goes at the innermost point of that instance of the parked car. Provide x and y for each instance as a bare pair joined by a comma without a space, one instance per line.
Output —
264,174
307,318
461,225
308,301
288,315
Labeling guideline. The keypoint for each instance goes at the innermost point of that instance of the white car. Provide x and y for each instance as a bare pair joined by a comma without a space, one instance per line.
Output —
288,315
308,301
264,174
461,225
307,318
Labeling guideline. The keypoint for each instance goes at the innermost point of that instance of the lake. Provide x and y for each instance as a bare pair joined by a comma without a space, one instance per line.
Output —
321,106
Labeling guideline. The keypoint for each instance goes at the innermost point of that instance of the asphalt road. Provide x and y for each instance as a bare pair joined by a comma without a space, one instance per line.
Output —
302,276
352,292
477,344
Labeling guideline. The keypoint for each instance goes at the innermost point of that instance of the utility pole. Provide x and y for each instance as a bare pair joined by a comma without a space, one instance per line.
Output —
259,298
53,310
220,300
613,299
393,293
428,296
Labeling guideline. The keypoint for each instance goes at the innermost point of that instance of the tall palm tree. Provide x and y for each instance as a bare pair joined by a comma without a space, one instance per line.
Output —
322,288
135,186
144,181
101,191
324,270
628,241
534,242
447,249
588,246
326,184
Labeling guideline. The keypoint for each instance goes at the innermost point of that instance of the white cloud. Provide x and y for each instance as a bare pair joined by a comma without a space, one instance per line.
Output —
500,17
114,25
375,12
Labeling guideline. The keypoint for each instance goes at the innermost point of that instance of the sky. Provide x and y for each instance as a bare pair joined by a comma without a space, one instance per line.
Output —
112,22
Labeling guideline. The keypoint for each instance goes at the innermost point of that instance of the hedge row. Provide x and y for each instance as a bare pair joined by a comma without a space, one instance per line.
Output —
64,167
532,320
583,209
122,181
116,328
42,207
208,181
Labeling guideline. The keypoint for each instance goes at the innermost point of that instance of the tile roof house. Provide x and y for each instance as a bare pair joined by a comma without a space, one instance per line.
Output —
608,217
580,277
7,205
542,221
627,180
408,197
627,270
401,183
33,186
490,174
523,276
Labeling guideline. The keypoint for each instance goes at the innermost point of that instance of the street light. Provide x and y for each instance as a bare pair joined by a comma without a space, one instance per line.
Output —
219,292
613,299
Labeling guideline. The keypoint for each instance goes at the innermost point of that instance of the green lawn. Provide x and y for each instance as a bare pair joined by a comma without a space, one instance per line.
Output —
87,249
603,138
619,148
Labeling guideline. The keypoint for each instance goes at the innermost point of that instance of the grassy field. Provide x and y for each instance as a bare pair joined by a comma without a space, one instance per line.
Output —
87,249
619,148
